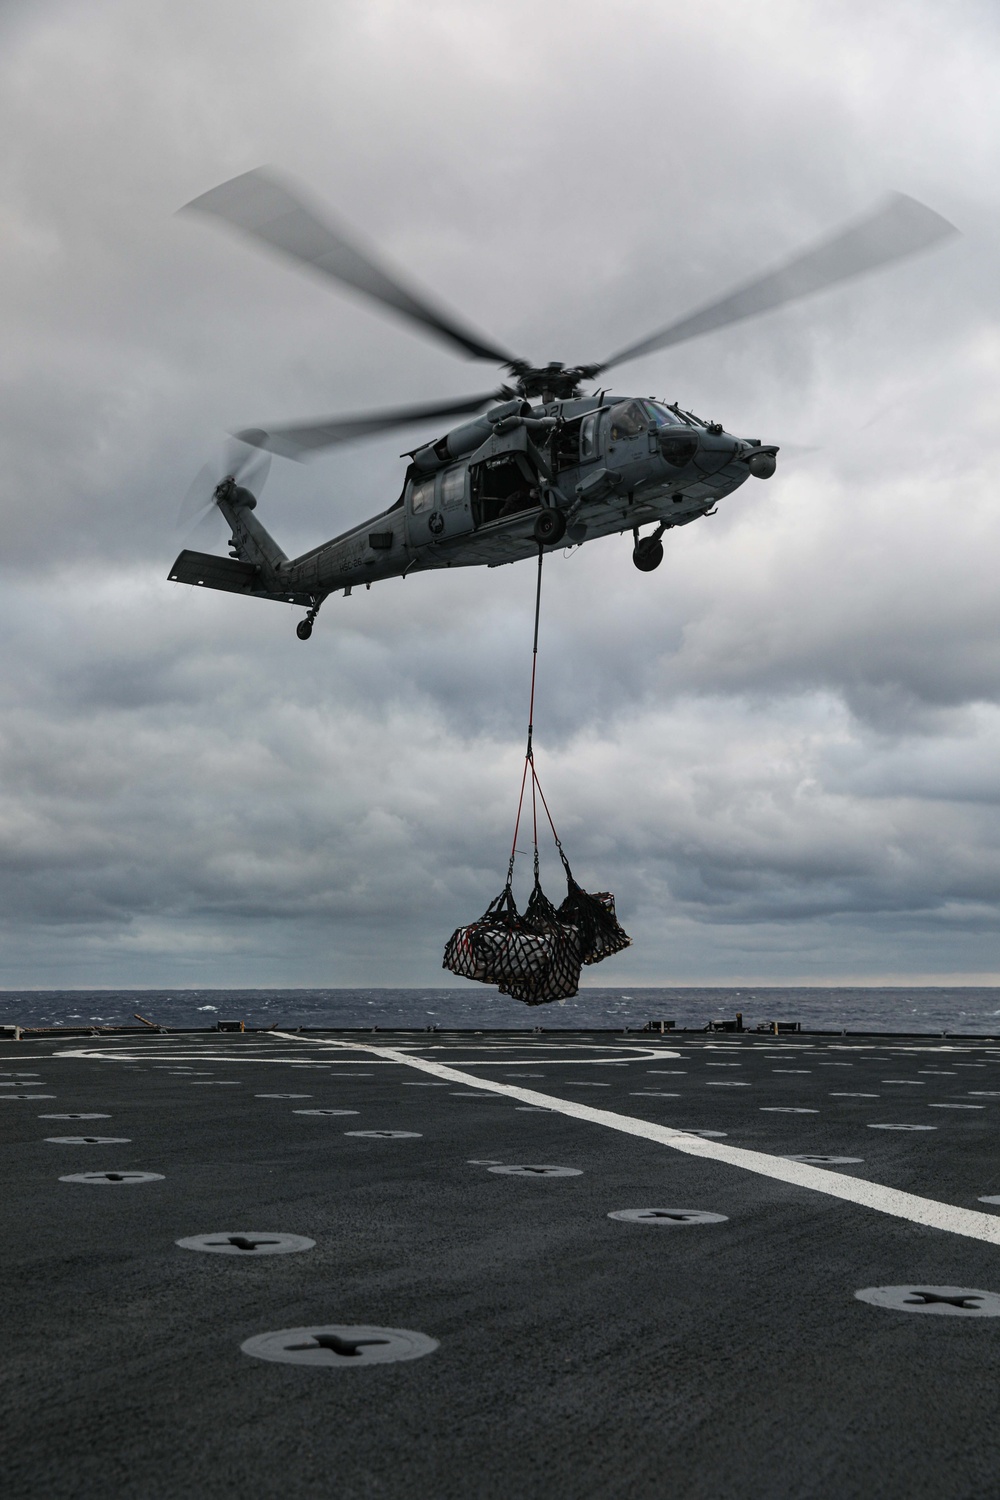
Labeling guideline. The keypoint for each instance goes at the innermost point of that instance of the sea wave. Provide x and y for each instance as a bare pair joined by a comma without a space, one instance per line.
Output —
919,1009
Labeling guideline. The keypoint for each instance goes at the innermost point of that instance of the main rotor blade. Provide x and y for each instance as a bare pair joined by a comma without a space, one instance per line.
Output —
309,437
264,207
901,227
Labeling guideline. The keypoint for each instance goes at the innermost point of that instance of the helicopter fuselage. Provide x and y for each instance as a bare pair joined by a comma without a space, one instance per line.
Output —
495,489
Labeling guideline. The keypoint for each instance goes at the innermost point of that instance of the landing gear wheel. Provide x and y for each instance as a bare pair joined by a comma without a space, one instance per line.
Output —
648,554
304,628
550,526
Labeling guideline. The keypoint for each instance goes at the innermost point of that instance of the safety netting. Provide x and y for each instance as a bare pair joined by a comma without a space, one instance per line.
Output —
536,955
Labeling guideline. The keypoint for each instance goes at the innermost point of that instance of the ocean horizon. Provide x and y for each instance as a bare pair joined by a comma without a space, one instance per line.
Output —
918,1008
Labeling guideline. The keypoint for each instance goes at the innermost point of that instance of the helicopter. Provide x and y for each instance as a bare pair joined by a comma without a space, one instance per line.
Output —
544,464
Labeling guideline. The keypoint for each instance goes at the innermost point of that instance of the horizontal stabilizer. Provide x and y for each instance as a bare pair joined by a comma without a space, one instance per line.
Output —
209,572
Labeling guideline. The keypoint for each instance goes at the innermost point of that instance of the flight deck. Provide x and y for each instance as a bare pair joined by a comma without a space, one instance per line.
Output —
501,1264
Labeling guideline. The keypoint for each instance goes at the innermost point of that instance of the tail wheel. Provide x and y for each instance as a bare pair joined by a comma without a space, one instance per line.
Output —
550,526
648,554
304,629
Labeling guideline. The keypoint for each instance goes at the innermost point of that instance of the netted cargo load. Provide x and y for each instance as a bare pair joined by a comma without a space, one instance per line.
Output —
593,916
536,955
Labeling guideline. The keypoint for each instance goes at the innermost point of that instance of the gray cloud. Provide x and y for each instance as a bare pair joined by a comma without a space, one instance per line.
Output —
779,750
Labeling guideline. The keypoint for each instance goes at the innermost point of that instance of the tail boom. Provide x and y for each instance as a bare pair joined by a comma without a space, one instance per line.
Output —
258,567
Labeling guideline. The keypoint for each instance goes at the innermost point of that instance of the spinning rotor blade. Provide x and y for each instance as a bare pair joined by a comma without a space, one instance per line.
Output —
261,205
245,462
242,462
309,437
901,227
198,498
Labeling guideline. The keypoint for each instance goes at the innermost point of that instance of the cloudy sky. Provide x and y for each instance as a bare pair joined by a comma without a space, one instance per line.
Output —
780,750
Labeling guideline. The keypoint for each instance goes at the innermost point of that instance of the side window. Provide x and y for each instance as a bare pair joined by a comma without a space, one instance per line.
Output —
588,437
423,496
627,420
453,486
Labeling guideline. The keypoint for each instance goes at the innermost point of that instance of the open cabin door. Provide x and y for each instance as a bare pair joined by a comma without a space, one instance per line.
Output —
503,486
506,475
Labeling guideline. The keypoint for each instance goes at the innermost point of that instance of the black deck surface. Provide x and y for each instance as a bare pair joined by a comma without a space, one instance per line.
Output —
578,1355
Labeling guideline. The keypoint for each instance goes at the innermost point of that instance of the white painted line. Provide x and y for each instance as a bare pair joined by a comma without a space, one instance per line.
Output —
217,1051
884,1200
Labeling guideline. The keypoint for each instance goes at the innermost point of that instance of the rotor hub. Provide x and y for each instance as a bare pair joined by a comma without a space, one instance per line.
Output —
553,382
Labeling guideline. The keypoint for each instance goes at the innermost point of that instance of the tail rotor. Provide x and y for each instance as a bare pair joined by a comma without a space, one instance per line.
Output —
246,465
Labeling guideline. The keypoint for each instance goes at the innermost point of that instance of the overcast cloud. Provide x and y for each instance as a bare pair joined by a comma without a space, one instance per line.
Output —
780,750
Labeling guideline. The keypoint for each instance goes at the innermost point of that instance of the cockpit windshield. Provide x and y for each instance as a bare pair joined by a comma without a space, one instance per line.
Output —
630,418
662,416
627,419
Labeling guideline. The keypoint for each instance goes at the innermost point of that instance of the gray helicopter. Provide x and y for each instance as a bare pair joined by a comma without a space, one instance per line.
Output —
544,464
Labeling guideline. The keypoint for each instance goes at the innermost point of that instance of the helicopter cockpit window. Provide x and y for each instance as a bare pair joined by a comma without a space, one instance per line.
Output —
423,497
588,437
453,486
662,416
627,420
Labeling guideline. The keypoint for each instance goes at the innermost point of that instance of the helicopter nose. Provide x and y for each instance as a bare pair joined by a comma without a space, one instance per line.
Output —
708,449
715,449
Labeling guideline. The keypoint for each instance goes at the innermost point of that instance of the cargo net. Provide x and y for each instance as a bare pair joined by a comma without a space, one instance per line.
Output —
536,955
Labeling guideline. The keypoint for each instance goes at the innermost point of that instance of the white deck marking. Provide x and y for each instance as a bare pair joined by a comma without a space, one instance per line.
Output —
883,1200
216,1052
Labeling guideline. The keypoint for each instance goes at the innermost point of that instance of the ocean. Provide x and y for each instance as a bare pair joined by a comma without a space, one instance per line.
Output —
917,1009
